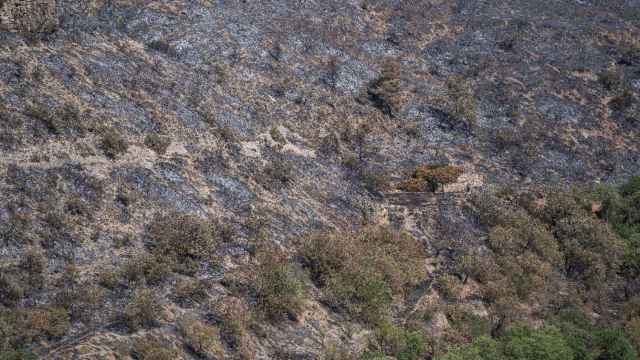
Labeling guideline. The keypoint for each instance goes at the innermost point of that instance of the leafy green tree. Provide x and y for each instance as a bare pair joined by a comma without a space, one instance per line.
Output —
613,345
522,342
482,348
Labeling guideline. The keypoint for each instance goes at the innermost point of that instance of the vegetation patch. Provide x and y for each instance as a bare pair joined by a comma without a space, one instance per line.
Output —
153,348
429,178
401,343
562,340
202,338
113,144
143,310
384,92
461,103
157,143
279,286
362,272
21,327
183,240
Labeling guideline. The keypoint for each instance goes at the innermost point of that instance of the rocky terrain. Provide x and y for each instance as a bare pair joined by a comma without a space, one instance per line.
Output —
299,179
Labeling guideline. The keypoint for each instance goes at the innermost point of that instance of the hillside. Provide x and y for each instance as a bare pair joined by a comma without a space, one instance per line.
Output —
287,179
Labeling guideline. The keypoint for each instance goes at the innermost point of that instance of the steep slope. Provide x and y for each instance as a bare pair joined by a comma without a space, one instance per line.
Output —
271,120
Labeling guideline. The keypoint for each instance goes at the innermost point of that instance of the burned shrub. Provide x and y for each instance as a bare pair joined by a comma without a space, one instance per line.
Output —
623,101
113,144
157,143
279,173
610,80
163,46
12,290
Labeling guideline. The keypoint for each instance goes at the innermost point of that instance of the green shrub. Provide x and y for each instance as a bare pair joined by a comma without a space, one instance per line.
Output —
145,267
113,144
333,351
613,345
546,343
482,348
535,244
182,237
63,121
401,343
364,294
361,272
578,331
449,286
142,310
189,291
462,102
152,348
203,339
279,286
632,328
277,136
621,209
157,143
12,290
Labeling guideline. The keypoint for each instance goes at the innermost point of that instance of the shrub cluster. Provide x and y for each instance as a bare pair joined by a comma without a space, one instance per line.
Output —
142,310
21,327
62,121
396,341
361,272
183,240
279,286
565,338
535,243
621,209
